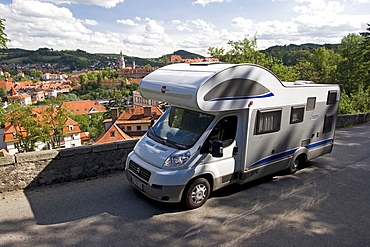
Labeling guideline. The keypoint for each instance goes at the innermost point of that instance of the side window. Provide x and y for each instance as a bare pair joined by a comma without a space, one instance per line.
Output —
328,123
268,121
296,114
311,104
225,130
332,98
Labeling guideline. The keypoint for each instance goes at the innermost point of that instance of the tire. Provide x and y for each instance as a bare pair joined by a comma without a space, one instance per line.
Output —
197,193
294,166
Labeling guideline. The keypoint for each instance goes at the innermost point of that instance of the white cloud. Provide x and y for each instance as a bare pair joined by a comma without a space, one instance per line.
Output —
90,22
205,2
128,22
104,3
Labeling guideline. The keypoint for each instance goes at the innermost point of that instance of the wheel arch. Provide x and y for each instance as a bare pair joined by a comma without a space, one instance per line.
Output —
207,176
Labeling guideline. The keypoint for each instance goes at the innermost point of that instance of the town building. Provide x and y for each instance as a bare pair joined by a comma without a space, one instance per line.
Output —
179,59
140,101
135,72
16,98
132,123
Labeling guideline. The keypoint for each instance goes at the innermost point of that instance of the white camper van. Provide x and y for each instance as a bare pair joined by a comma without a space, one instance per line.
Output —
228,123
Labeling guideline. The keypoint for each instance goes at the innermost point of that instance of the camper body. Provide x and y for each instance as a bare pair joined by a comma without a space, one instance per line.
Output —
228,123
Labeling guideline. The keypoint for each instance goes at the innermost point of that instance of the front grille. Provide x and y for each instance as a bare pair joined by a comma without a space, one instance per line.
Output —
139,171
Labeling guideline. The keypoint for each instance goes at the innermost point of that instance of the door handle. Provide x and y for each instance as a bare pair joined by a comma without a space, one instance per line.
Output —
235,151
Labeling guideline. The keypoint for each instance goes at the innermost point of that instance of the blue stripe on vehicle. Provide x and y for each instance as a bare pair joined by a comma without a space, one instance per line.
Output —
246,97
289,152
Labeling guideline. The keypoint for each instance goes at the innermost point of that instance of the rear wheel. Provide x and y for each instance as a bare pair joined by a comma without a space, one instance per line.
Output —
296,164
197,193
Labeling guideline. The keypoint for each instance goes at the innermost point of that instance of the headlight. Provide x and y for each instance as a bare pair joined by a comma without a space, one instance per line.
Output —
177,160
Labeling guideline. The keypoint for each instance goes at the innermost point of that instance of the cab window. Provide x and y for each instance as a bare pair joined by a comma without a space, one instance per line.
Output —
225,130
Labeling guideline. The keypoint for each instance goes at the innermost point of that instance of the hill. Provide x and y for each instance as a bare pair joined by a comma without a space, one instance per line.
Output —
70,60
67,61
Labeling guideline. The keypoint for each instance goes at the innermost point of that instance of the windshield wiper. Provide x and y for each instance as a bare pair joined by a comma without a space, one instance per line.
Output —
154,136
179,146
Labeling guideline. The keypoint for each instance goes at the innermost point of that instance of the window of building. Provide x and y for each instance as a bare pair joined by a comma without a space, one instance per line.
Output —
138,128
296,114
311,104
128,128
112,133
70,127
268,121
328,123
332,97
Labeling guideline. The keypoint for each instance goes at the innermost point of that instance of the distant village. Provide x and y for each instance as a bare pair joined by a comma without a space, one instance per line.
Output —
132,123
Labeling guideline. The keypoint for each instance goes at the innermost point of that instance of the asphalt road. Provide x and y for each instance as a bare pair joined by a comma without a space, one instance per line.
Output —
324,204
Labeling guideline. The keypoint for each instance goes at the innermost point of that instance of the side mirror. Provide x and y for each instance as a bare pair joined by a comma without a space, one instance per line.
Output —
216,148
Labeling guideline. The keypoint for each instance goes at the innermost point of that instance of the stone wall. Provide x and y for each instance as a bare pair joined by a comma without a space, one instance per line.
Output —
57,166
352,119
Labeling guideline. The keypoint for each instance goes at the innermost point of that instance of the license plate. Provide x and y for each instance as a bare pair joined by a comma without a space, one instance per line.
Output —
137,182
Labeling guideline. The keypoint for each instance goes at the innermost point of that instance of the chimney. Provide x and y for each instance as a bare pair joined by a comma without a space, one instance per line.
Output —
114,113
147,111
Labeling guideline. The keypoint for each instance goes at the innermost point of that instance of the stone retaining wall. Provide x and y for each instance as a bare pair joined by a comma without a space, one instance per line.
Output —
57,166
352,119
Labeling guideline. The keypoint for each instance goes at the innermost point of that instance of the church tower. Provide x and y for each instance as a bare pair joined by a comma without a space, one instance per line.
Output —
121,61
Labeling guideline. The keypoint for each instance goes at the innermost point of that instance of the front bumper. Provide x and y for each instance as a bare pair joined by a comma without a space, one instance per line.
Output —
156,192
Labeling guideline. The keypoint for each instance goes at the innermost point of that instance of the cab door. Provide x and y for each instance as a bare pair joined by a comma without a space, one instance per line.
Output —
228,132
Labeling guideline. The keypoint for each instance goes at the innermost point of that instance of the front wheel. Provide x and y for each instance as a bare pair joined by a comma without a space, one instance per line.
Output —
197,193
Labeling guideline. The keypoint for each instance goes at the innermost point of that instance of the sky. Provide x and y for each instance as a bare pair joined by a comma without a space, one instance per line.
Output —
152,28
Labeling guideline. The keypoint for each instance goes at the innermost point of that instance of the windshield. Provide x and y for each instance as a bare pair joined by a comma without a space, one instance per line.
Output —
180,128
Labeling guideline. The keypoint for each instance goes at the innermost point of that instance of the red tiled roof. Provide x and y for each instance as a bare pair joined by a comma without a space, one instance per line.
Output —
137,113
134,80
83,107
114,133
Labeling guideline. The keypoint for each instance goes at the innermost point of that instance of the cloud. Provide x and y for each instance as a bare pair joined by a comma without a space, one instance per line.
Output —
90,22
127,22
205,2
105,3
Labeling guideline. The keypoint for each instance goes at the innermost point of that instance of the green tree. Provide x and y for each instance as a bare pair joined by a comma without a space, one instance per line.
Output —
3,35
285,73
3,92
307,71
36,74
164,60
325,62
53,123
345,104
27,129
116,100
2,117
351,71
244,51
83,78
90,123
365,56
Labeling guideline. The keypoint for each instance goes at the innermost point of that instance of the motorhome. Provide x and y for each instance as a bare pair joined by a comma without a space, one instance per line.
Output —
227,123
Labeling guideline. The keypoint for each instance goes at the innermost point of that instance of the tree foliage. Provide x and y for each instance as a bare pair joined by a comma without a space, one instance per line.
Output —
3,39
27,130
